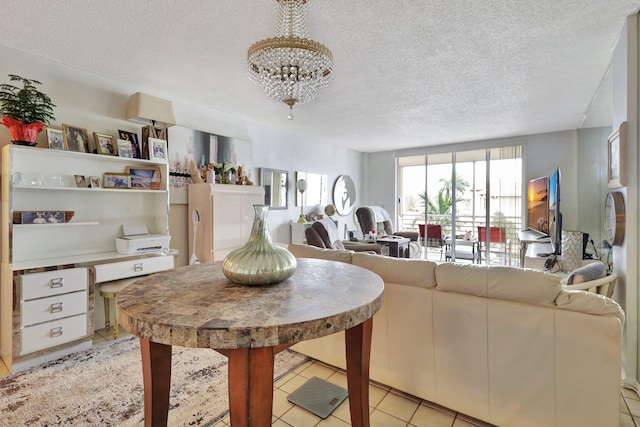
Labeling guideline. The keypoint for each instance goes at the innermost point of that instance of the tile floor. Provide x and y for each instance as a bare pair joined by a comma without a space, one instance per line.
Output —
389,407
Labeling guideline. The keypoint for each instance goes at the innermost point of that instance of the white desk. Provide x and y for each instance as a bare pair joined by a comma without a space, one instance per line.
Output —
531,236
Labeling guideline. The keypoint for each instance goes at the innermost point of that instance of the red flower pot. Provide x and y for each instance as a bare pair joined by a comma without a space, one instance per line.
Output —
20,133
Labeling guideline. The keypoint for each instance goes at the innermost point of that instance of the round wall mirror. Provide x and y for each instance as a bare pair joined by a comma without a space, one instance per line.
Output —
344,195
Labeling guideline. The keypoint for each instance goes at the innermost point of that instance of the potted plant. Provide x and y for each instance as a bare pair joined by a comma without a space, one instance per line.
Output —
25,110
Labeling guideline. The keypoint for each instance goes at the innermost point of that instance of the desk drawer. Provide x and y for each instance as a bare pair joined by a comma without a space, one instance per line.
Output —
132,268
53,333
38,285
55,307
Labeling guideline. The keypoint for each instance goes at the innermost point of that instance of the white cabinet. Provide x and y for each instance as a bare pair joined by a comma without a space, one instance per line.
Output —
226,217
298,232
48,270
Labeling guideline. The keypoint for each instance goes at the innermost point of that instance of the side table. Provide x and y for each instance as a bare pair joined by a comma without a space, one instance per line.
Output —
398,246
196,306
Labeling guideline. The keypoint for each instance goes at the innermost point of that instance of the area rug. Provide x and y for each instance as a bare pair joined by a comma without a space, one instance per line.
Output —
103,387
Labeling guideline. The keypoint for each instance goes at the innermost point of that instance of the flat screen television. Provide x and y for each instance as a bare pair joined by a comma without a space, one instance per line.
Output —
538,205
555,216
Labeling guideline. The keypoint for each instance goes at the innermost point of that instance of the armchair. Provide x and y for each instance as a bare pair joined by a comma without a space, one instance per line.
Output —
318,235
593,278
498,238
433,237
378,219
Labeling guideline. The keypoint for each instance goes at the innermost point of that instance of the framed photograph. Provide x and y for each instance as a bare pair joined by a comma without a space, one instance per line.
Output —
148,132
94,181
133,139
55,139
116,180
157,149
144,177
75,138
105,144
617,154
42,217
124,149
81,181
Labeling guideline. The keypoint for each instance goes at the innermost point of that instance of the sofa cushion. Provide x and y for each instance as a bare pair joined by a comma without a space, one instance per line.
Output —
306,251
506,283
411,272
589,302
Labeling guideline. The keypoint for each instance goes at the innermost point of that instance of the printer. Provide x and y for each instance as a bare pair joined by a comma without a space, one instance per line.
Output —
137,240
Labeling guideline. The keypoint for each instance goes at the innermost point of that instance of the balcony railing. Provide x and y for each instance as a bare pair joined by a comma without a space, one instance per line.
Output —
465,223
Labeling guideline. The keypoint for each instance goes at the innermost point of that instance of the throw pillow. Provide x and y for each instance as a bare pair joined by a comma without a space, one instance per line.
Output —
593,271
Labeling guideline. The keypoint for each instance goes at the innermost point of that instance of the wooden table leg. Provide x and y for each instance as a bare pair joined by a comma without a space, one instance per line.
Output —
251,386
358,343
156,374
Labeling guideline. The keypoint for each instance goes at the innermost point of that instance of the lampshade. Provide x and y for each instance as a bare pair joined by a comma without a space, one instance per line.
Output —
145,108
301,185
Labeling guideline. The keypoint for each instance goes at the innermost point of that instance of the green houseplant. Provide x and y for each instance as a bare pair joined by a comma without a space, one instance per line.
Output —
25,110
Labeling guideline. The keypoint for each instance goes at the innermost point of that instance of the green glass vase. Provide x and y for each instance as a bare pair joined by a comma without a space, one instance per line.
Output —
259,261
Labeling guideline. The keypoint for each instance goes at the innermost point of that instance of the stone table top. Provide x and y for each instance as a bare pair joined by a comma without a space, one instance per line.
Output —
197,306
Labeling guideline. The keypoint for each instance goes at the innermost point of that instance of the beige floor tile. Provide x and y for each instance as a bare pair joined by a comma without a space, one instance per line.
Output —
318,370
382,419
343,412
630,394
332,421
473,421
399,406
623,406
280,423
634,407
293,384
285,379
304,366
338,378
280,403
626,421
427,416
459,422
376,394
299,417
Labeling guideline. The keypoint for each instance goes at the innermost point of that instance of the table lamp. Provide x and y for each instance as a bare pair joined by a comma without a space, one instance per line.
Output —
301,185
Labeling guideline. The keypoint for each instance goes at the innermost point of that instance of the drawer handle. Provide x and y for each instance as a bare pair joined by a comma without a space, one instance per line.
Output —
57,283
137,267
56,307
55,332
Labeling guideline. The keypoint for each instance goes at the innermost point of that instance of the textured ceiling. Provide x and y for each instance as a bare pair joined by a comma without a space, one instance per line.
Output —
406,74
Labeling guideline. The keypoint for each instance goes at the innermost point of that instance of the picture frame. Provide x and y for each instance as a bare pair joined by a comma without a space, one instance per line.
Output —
149,132
105,144
124,149
81,181
116,180
157,149
55,139
133,139
95,182
616,157
142,177
43,217
75,138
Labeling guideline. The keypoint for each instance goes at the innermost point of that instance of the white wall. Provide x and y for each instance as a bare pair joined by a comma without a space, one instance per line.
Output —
543,153
99,105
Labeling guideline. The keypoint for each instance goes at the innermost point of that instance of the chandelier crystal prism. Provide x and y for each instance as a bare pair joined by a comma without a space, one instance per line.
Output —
290,67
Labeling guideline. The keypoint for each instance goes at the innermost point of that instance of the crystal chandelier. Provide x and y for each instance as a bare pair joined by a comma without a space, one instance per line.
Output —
290,66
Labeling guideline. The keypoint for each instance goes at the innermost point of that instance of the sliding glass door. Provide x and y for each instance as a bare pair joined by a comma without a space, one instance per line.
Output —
466,204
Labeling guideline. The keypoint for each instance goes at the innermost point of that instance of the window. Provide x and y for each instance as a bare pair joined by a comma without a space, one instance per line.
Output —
463,192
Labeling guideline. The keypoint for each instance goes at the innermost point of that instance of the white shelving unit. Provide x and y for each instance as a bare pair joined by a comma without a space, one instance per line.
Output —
35,179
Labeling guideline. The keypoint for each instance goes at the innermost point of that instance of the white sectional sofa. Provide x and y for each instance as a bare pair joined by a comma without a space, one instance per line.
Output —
504,345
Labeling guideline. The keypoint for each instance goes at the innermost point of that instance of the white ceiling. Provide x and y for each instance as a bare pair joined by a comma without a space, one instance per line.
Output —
407,73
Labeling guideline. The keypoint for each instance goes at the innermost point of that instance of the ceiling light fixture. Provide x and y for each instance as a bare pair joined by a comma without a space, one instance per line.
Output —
290,66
